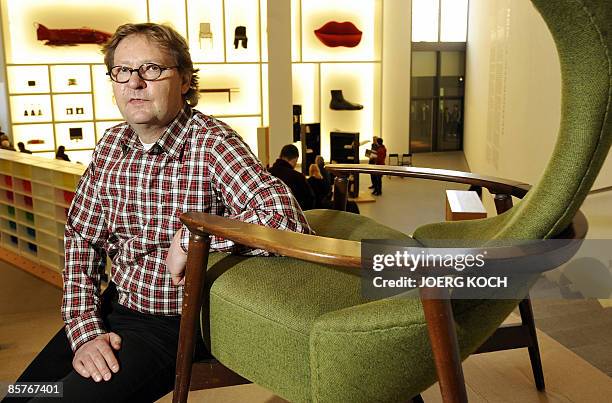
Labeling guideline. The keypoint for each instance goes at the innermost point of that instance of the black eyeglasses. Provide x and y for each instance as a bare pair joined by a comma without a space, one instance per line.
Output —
148,72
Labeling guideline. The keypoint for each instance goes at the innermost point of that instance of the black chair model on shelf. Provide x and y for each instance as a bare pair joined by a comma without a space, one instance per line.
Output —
406,160
394,159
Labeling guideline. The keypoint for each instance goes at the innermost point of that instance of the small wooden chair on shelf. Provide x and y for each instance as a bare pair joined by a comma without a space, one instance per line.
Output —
406,160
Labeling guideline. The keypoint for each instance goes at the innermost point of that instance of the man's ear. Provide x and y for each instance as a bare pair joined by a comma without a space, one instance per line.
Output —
185,83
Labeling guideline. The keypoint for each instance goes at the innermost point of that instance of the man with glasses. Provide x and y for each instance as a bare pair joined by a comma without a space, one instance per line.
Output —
165,159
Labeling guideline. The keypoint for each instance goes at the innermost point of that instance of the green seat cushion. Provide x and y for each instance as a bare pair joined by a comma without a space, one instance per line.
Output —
303,329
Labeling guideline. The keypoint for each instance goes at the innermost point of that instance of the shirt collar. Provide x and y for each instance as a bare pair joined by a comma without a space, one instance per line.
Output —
171,140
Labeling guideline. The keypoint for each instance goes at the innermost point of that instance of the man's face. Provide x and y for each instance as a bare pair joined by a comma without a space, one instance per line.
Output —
148,103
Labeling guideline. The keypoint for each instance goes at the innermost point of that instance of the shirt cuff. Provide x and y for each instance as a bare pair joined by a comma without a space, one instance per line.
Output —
185,238
84,328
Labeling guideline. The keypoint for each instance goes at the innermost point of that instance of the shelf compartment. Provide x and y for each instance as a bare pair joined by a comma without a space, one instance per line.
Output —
27,79
10,241
30,108
46,224
5,166
64,179
43,192
46,240
51,259
6,196
26,232
42,174
36,137
6,181
63,197
22,170
60,228
44,207
29,248
23,186
9,226
8,211
25,217
24,202
61,213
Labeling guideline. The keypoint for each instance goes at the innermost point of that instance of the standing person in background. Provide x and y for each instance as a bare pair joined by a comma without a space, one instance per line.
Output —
61,154
381,156
372,158
22,148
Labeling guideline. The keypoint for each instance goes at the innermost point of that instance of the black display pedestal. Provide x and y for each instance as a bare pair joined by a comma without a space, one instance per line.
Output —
310,137
345,150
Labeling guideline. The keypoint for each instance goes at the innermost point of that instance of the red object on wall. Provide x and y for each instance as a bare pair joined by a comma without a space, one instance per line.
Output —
335,34
60,37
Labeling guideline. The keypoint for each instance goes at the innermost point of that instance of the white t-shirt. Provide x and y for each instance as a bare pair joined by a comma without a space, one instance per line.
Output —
147,146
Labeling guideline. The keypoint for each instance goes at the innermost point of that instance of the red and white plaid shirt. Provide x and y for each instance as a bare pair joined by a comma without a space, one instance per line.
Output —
127,206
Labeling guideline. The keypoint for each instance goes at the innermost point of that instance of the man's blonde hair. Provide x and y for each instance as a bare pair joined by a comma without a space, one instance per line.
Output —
167,38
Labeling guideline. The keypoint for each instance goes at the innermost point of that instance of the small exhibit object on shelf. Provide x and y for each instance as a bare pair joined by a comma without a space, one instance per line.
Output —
217,90
73,36
334,34
76,133
338,103
240,36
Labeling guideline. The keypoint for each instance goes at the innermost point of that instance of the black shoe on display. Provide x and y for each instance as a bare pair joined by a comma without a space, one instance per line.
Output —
240,36
338,103
371,187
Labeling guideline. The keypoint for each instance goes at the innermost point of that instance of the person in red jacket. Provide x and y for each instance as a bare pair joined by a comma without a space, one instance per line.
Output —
381,156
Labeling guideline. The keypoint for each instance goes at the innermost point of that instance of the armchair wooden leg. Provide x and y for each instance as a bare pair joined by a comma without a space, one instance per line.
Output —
195,274
444,345
533,348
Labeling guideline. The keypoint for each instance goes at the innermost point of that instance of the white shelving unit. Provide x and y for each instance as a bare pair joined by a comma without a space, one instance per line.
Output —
60,95
35,194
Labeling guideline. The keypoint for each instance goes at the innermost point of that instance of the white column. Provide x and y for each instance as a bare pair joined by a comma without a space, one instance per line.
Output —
279,75
396,74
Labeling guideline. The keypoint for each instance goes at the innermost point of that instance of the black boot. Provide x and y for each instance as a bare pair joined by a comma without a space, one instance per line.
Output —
240,35
338,103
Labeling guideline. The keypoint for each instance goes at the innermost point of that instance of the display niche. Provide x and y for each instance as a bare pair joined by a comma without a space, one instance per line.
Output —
57,83
337,68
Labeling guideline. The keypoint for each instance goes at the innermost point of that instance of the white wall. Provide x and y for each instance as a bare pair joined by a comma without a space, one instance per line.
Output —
513,92
4,118
396,74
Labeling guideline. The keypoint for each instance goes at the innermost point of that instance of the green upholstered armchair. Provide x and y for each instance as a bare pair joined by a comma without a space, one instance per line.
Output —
298,324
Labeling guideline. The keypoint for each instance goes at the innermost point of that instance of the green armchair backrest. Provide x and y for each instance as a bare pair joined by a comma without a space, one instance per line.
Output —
581,31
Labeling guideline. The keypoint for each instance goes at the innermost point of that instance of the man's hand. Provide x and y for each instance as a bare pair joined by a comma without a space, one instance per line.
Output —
96,359
176,260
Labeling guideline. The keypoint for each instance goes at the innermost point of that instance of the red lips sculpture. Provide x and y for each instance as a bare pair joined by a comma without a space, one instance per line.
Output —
335,34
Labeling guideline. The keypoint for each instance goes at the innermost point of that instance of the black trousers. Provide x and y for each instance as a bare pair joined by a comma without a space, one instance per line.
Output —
147,360
377,179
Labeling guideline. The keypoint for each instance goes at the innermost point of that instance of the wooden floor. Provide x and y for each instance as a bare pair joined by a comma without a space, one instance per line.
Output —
29,317
493,377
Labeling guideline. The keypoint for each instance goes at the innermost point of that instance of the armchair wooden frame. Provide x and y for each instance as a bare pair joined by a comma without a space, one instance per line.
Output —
436,304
